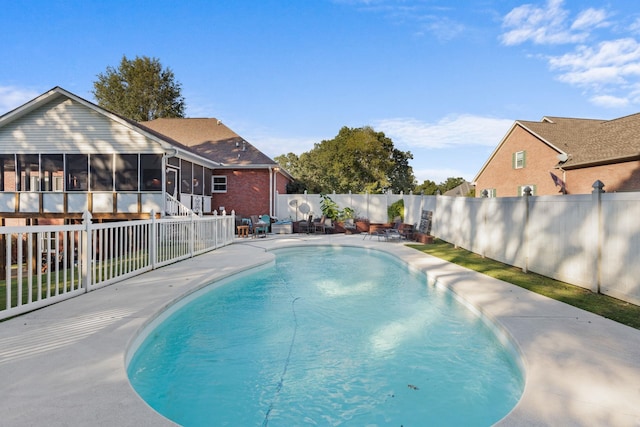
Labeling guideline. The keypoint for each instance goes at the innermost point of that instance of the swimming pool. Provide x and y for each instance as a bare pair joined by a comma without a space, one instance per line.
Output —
327,336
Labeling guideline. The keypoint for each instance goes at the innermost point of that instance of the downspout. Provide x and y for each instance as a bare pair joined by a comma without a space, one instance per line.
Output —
274,188
564,178
270,191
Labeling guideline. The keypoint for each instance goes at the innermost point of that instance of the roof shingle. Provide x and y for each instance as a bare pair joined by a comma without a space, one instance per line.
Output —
590,141
209,137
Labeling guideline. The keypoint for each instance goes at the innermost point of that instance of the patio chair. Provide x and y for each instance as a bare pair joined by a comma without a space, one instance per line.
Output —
322,225
407,231
258,227
267,220
306,226
394,232
350,226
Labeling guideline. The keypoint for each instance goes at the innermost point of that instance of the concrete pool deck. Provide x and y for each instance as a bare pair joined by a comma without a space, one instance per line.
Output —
64,365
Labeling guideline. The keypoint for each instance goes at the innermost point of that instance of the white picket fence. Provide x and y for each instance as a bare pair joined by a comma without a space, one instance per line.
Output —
589,240
49,263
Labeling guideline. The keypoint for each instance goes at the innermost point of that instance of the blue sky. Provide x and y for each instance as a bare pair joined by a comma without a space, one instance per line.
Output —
444,79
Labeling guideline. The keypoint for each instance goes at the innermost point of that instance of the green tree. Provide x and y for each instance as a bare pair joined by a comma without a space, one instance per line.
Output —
430,188
357,160
291,162
427,187
139,89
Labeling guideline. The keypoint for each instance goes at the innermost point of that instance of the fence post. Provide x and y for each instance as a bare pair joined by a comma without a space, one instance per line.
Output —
85,253
368,214
525,242
596,198
192,234
153,240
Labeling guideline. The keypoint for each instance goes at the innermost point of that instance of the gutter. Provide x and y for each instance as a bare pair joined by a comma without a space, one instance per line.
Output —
268,166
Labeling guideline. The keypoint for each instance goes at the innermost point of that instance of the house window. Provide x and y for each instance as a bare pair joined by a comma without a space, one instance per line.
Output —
198,175
126,172
101,169
52,172
151,167
208,173
77,172
219,184
491,192
522,187
519,160
7,172
186,170
29,172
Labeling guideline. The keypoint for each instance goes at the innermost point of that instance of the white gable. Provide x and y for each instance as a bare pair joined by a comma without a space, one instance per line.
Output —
67,126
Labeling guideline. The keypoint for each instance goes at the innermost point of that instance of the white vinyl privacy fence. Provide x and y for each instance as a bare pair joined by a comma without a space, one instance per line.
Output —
589,240
45,264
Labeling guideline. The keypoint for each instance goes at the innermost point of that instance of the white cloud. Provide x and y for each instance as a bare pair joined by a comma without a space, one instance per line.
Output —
550,24
590,18
610,101
609,63
12,97
443,28
449,132
607,70
635,26
428,19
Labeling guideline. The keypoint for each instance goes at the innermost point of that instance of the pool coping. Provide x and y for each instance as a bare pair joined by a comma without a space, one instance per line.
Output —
65,364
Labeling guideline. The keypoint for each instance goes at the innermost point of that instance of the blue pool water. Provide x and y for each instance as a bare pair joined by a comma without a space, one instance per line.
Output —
327,337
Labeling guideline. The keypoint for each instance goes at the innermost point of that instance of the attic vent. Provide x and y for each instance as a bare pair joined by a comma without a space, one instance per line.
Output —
244,145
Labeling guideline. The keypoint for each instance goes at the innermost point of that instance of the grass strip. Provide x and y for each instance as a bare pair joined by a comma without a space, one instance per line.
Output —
606,306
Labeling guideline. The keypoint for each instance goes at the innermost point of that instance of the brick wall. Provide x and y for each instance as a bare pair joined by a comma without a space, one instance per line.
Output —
247,191
616,177
500,175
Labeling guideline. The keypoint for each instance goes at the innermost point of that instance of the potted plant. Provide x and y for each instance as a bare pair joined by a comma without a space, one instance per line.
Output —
345,223
330,209
362,224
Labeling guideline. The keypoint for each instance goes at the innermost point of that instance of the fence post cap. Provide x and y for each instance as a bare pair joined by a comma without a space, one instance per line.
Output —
598,186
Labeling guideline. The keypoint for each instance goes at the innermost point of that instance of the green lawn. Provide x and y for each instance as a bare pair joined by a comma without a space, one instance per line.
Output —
612,308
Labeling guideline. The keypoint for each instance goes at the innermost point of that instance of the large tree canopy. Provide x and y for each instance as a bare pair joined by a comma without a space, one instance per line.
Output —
357,160
140,89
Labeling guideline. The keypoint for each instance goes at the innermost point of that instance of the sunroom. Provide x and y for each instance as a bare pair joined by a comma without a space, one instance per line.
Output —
61,155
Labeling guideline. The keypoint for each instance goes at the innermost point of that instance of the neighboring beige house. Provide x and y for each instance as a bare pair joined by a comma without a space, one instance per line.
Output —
564,156
61,155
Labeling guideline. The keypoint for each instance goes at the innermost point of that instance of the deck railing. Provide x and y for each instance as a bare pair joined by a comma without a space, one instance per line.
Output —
173,207
46,264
